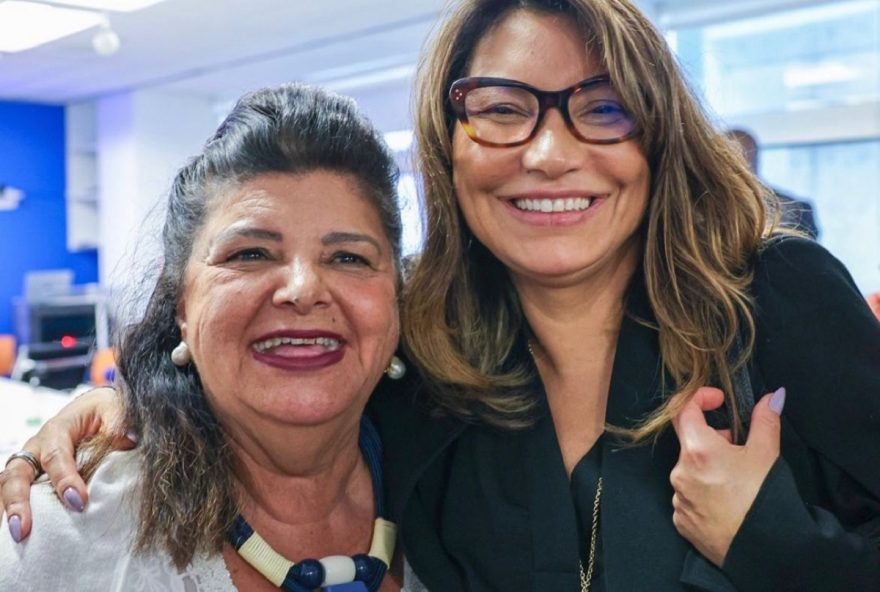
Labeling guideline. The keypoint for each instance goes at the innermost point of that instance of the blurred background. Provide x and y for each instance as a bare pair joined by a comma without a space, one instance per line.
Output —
102,100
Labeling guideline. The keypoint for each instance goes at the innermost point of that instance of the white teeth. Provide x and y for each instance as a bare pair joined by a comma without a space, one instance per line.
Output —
327,342
569,204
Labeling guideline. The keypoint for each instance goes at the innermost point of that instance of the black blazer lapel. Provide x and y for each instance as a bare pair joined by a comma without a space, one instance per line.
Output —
641,548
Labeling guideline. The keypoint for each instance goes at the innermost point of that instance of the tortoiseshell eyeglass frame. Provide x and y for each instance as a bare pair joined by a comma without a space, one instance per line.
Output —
459,90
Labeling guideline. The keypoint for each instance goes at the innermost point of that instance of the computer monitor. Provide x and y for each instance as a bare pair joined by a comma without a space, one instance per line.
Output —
78,317
53,322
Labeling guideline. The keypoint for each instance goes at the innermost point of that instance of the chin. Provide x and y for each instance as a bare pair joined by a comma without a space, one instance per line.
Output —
307,410
550,266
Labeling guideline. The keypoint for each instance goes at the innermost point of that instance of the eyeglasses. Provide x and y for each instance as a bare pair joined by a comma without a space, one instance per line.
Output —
502,112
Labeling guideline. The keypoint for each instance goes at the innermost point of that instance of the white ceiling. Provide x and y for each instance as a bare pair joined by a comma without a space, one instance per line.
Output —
221,48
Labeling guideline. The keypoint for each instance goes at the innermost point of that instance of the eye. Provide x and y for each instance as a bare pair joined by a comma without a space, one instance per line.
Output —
349,258
602,113
500,111
607,109
250,254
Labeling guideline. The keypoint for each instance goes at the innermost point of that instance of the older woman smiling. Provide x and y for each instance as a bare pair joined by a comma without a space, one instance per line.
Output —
269,327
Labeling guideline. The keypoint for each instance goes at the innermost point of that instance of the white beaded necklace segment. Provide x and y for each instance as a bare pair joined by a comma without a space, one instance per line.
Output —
335,573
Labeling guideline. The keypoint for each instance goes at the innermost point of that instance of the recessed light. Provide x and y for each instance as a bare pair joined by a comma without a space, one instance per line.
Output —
24,25
110,5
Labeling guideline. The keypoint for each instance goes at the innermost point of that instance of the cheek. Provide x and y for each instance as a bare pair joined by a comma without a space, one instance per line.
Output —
642,187
480,170
470,172
631,173
379,317
634,167
214,317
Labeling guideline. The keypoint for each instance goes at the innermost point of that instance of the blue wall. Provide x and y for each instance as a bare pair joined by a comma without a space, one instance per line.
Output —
34,236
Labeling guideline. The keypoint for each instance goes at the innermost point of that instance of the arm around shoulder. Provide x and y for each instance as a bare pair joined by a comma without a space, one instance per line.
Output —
69,550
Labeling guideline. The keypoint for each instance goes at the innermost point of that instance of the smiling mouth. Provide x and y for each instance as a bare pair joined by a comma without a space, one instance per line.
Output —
328,344
567,204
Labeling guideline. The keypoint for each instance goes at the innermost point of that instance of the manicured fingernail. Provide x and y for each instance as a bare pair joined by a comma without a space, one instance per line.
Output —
777,401
15,528
131,436
74,501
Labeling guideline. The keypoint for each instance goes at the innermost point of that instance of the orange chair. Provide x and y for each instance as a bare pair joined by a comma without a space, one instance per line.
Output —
7,354
103,367
874,303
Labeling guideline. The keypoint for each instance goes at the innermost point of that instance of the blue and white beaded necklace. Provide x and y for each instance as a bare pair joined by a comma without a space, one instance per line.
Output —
335,573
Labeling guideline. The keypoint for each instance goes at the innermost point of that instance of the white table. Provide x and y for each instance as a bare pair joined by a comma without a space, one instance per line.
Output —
23,409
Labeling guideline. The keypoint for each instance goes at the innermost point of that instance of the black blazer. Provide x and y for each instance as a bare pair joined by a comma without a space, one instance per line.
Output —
466,492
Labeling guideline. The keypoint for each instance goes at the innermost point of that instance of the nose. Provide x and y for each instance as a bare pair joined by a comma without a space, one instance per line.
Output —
301,285
554,150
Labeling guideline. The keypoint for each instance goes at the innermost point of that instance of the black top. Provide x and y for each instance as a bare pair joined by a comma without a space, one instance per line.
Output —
485,509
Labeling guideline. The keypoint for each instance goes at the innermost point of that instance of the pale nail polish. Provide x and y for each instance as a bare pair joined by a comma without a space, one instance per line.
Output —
74,501
15,528
131,436
777,400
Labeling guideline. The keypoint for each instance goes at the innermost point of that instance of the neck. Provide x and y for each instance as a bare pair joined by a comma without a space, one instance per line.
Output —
578,320
315,465
339,495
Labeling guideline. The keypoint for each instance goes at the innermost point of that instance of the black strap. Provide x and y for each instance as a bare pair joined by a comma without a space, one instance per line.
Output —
742,388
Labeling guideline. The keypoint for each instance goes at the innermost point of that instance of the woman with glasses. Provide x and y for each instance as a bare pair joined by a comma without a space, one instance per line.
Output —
597,311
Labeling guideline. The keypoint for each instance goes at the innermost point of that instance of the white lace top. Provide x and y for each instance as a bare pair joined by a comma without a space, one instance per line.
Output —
92,550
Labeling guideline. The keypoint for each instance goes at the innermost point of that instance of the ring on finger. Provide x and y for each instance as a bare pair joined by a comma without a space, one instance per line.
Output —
29,458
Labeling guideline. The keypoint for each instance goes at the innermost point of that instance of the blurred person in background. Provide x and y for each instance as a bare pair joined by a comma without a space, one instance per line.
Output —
794,212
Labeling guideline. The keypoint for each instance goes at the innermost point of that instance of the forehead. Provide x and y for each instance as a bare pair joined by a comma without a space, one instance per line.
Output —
542,49
298,204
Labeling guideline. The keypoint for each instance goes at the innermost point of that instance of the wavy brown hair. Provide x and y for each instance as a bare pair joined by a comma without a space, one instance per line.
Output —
705,219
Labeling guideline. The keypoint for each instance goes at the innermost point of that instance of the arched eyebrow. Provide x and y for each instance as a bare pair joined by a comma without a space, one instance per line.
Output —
331,238
335,238
248,232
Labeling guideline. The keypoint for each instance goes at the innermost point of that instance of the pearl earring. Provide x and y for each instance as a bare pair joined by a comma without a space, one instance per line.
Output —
396,368
180,354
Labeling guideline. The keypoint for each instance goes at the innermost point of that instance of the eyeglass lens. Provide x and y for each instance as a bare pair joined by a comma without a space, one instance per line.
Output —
507,114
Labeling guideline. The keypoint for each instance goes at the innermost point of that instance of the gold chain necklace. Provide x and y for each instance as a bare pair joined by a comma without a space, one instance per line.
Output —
586,576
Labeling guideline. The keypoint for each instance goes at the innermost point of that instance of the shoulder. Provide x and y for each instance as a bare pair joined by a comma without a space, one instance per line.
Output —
412,433
802,274
94,550
794,255
816,336
78,544
400,404
807,302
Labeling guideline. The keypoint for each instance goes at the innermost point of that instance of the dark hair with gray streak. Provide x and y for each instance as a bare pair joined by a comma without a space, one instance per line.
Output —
188,500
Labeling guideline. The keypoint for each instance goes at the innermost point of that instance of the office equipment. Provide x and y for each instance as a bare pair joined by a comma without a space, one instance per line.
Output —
58,326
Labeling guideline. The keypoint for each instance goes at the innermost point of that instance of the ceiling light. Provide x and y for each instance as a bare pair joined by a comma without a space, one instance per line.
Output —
110,5
106,41
829,72
24,25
